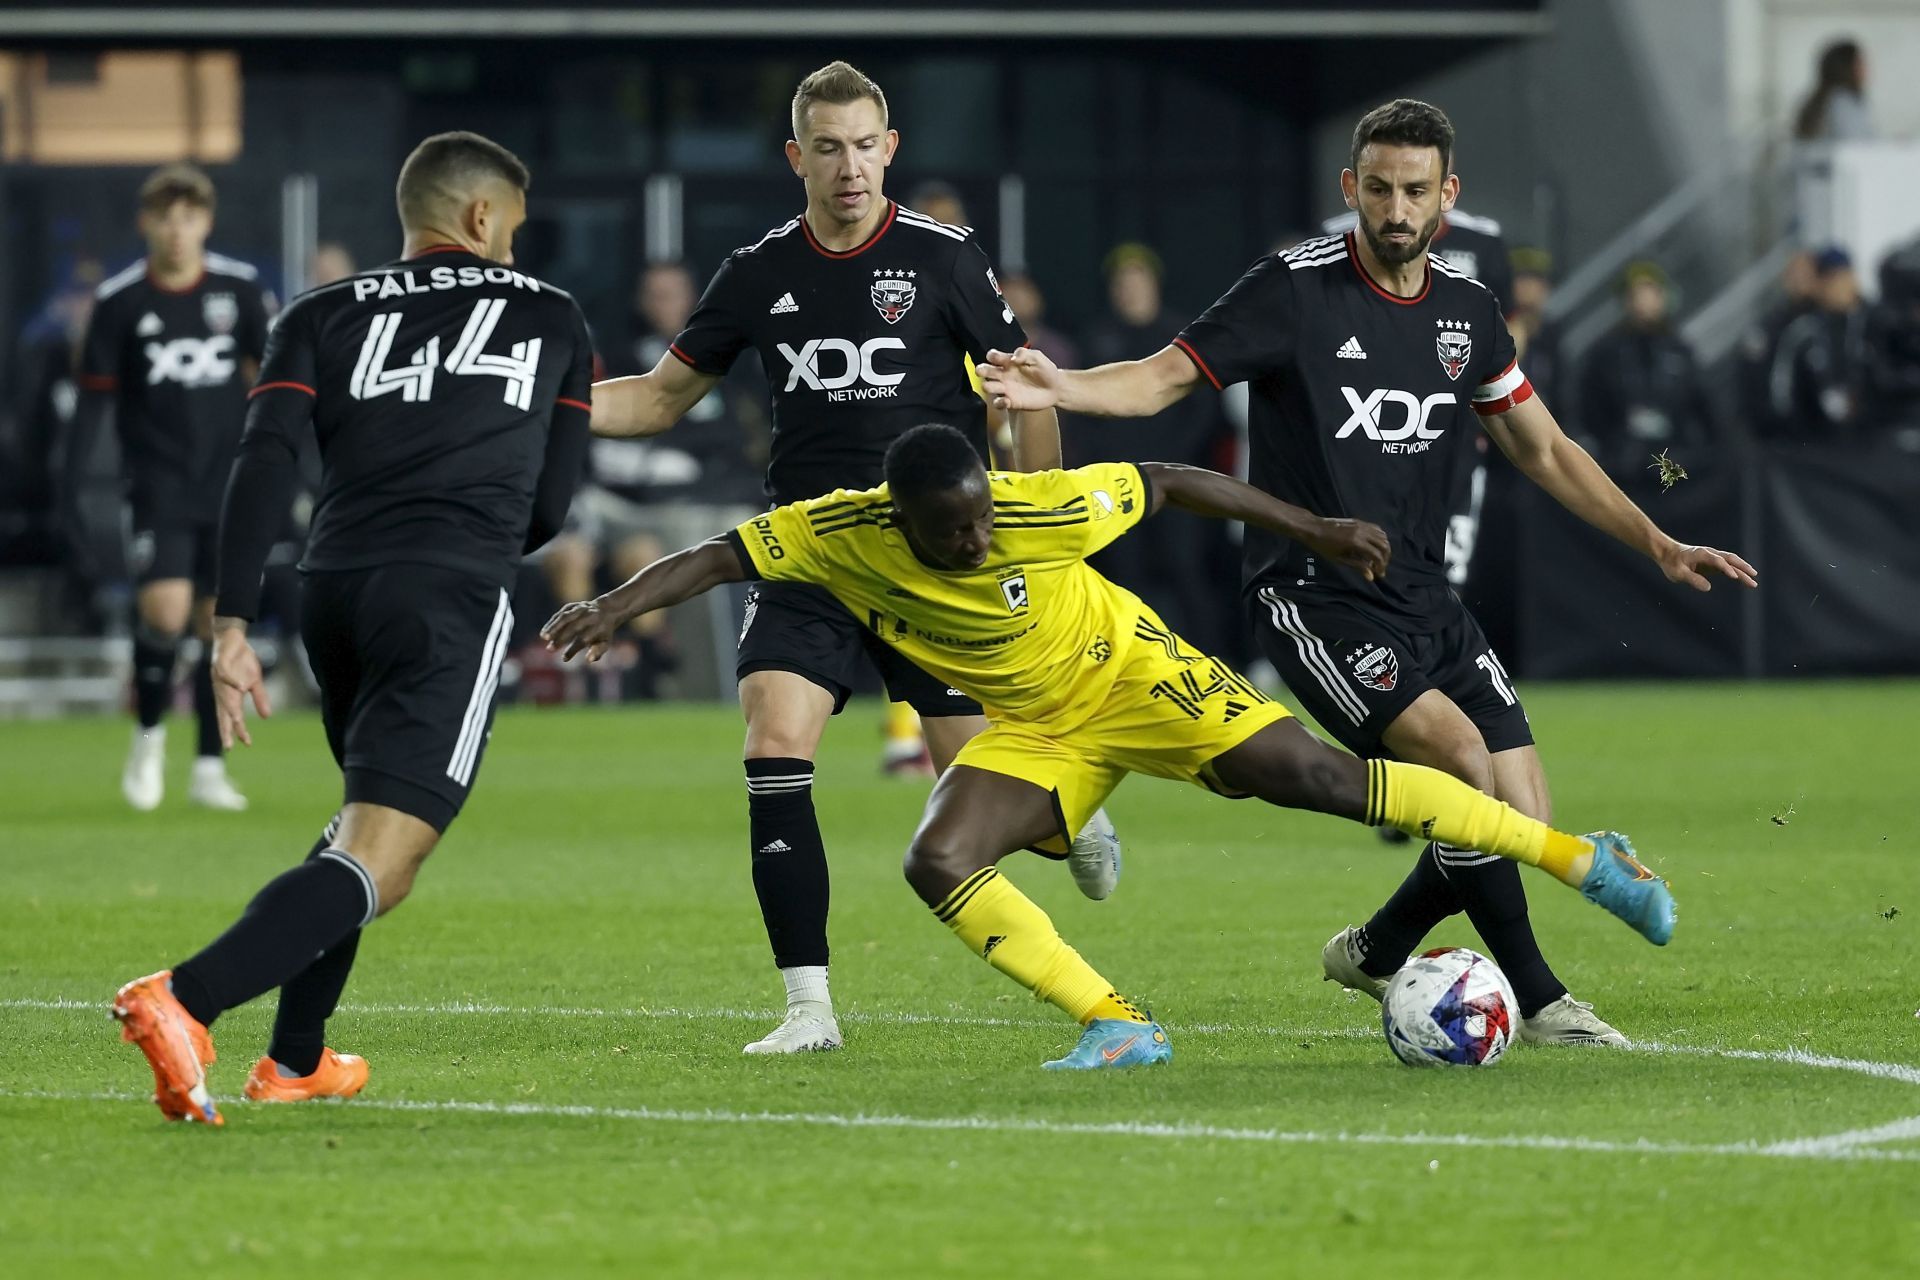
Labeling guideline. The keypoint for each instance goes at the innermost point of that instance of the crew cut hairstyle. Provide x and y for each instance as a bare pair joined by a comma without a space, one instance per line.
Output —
930,458
837,83
170,184
1405,122
444,170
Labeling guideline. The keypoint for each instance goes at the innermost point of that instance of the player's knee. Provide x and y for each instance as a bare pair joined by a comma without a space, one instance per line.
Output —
937,862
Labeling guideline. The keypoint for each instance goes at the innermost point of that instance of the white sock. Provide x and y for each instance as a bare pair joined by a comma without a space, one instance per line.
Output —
209,766
807,984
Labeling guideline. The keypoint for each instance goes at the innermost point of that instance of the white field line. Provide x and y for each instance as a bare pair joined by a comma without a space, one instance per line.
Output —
1123,1129
1894,1131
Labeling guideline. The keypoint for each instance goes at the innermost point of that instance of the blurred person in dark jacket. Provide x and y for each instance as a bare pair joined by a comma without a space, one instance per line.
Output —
1753,374
1536,339
1815,379
1641,392
1893,346
44,395
1023,294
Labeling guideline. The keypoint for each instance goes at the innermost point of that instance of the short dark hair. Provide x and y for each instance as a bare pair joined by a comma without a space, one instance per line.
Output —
445,169
172,184
836,84
930,458
1405,122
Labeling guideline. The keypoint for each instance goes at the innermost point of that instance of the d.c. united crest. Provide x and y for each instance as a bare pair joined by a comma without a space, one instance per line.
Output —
1375,666
221,311
892,297
1455,350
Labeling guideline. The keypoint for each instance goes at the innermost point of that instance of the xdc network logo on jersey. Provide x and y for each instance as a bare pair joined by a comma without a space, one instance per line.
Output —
1397,419
191,362
842,370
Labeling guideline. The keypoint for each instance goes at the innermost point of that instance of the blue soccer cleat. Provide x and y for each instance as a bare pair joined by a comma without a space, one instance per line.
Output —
1115,1042
1618,882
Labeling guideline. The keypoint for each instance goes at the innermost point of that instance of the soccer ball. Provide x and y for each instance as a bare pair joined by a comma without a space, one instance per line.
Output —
1449,1007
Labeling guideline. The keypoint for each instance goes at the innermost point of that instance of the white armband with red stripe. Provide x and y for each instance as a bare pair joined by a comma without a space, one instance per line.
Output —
1500,393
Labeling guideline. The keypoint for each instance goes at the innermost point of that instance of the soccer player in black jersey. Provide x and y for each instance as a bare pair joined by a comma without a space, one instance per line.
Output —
450,397
867,317
173,345
1367,359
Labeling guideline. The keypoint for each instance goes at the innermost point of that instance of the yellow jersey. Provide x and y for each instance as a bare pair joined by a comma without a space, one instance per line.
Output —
1034,635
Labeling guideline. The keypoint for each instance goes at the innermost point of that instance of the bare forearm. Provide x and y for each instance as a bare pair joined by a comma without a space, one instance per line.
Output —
1579,484
1208,493
633,406
1036,440
1129,389
675,578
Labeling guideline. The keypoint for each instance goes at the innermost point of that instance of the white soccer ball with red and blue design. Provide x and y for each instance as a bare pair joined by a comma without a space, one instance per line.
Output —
1450,1007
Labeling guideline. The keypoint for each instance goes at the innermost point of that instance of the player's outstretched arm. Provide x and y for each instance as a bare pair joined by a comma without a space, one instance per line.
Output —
649,403
1026,380
1036,441
1353,543
592,624
1528,434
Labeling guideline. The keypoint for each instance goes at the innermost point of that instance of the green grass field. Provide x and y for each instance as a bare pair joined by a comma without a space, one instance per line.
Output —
555,1020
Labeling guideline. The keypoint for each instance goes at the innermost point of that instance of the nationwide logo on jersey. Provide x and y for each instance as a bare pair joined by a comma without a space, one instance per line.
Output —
1013,586
893,293
1455,346
1375,666
221,311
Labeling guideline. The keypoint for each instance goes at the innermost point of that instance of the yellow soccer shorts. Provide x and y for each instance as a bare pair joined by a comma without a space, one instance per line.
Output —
1170,713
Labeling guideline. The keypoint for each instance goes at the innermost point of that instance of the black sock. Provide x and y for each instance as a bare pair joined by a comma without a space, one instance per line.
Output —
1423,900
789,860
153,654
1496,901
289,924
204,713
309,998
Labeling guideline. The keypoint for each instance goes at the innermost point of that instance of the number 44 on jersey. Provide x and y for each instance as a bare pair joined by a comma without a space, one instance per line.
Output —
372,376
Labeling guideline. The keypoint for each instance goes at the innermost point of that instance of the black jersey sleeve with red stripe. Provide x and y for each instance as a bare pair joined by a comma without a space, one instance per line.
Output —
105,345
717,331
568,434
265,472
1249,331
1498,382
979,315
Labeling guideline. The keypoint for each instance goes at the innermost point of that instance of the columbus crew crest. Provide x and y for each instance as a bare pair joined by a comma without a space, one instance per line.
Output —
1376,667
893,293
1455,346
221,311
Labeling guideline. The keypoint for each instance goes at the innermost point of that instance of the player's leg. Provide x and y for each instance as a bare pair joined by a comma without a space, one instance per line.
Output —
161,556
797,645
984,808
1286,765
208,786
951,719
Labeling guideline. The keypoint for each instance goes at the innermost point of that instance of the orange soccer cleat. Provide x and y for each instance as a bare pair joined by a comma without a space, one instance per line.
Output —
339,1075
178,1048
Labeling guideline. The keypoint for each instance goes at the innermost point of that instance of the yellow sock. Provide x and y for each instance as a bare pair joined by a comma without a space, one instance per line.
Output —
902,723
1433,805
1003,925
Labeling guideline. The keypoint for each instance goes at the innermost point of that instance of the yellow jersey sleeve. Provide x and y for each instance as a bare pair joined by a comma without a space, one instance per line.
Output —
1114,495
782,546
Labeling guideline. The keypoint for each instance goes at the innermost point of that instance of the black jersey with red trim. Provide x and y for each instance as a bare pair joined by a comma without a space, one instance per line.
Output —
1473,245
1361,405
172,361
858,345
434,384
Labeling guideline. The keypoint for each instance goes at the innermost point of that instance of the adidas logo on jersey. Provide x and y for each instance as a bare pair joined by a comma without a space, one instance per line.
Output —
150,324
784,306
1350,350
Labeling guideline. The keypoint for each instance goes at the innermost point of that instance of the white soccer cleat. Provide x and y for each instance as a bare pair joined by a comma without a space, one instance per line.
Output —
212,789
807,1028
1094,857
1569,1021
1340,961
144,779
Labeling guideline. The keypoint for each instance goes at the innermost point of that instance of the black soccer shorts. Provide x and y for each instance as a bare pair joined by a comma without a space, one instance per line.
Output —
408,659
165,544
798,627
1356,670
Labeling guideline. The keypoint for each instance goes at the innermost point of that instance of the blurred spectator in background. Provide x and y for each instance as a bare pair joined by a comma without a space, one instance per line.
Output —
939,201
1753,372
1836,110
331,261
644,496
1180,569
1815,381
1023,294
44,394
1641,391
1893,347
1536,339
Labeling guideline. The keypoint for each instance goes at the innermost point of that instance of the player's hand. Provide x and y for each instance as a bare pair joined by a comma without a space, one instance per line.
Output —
236,677
1691,565
584,624
1355,544
1021,381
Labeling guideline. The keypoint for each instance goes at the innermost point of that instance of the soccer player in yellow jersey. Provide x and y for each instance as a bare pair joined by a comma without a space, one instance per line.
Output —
981,579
